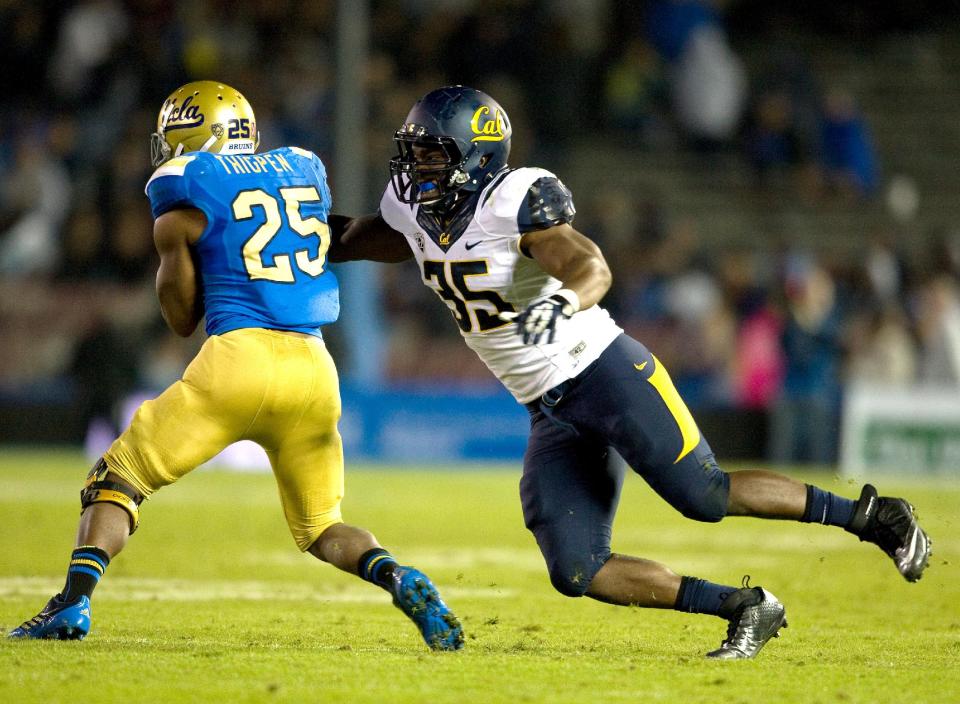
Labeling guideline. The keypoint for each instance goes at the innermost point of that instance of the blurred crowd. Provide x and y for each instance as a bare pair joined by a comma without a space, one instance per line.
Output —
768,325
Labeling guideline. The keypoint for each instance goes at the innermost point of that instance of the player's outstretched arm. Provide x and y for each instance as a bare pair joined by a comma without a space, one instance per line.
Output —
572,258
177,285
367,237
578,263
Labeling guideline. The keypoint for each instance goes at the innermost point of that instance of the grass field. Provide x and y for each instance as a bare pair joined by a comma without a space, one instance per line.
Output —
211,601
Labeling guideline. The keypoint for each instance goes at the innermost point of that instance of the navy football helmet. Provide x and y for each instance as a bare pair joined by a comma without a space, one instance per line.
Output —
454,140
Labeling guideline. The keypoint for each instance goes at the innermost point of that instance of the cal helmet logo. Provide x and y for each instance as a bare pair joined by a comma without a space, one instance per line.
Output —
183,116
492,128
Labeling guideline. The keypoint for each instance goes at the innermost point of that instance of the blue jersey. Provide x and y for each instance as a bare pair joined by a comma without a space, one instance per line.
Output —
262,255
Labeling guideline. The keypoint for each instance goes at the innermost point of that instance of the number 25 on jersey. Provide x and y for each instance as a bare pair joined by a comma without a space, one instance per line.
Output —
281,270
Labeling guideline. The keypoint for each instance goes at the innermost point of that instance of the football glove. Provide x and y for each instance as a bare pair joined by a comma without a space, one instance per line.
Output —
540,318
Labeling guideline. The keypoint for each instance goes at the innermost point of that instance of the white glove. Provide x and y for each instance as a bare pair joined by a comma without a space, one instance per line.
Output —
541,316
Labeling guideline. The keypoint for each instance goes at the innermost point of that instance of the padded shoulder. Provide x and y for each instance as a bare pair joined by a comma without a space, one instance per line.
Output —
312,164
174,167
305,154
501,202
169,186
548,203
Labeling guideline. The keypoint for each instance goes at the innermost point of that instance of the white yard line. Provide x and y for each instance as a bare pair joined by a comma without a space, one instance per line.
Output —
128,589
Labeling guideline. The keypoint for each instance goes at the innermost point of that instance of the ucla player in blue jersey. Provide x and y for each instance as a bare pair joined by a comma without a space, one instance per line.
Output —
242,239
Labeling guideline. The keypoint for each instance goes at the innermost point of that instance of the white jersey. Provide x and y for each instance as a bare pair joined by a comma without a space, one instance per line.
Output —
483,272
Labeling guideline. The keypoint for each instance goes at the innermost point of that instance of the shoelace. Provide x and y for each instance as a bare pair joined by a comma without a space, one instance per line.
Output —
44,613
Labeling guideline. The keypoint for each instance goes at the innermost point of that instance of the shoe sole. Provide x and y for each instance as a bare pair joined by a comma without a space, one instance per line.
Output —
734,654
59,633
66,633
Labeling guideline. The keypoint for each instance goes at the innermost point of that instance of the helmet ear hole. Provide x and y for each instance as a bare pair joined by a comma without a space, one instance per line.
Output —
484,160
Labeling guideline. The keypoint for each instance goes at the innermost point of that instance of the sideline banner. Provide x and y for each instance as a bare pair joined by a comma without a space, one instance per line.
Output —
909,430
431,425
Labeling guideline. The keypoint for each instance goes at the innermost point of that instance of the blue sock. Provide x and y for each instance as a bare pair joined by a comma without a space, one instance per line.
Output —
698,596
377,566
87,565
827,508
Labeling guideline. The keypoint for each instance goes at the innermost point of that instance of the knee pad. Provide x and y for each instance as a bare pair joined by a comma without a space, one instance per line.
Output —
98,489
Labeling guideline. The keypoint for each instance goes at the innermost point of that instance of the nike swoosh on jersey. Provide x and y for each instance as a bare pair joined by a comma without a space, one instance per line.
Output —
639,367
470,245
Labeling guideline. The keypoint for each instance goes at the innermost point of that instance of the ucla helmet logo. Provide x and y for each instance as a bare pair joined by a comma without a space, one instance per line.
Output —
204,116
183,116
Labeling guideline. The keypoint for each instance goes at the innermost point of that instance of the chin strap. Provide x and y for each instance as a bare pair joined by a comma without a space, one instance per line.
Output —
98,489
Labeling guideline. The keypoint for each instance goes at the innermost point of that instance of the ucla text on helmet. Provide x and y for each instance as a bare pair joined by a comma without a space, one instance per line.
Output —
204,116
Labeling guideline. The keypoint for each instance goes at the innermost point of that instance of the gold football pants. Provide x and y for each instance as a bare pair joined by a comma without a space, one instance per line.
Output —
279,389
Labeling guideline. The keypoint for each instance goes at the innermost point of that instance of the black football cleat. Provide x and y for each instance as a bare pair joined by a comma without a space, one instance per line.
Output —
755,617
891,524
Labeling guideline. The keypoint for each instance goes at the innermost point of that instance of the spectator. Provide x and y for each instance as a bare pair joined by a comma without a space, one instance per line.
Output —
848,153
804,419
780,149
707,79
882,350
938,327
632,91
885,269
90,32
35,197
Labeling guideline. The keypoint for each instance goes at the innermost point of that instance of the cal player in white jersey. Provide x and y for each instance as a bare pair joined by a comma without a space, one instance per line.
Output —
498,246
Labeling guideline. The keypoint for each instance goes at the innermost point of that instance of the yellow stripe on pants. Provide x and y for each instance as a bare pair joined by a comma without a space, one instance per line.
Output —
678,409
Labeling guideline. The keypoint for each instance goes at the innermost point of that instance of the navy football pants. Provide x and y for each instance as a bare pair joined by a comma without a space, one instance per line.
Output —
570,489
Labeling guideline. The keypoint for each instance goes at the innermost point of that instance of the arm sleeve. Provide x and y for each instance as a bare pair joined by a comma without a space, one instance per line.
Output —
547,203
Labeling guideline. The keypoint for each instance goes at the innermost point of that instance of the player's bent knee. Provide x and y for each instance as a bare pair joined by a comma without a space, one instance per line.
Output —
569,585
706,512
710,504
572,576
571,566
695,486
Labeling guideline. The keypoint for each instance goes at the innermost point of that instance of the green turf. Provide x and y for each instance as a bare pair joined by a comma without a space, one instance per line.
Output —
212,602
